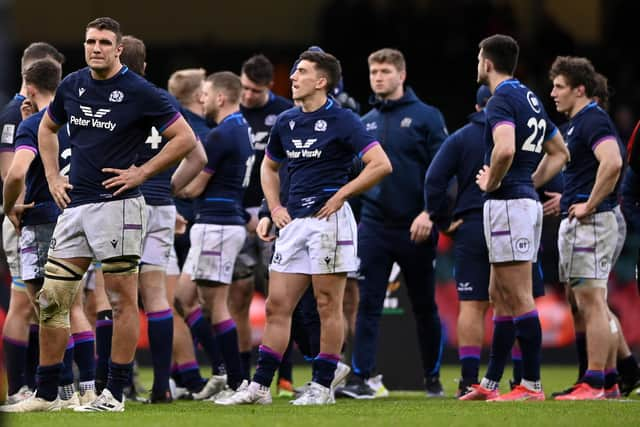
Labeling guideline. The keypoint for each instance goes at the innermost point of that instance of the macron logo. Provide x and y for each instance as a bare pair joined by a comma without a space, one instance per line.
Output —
87,111
81,91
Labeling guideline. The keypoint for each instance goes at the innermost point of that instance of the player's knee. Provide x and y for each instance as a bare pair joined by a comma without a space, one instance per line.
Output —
55,299
124,265
146,268
277,307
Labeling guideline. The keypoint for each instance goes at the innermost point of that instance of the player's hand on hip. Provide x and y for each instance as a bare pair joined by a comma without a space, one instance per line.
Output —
453,227
126,179
332,206
58,186
263,228
581,212
280,216
421,228
482,178
252,224
552,206
181,224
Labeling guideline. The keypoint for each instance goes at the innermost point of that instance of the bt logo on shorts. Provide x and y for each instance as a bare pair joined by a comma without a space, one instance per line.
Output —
465,287
277,258
523,245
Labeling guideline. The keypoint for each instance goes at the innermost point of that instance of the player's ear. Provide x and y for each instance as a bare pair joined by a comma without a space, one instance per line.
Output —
322,82
119,48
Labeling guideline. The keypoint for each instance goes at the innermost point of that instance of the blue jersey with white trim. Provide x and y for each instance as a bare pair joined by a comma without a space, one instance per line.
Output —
515,105
10,118
588,128
229,161
109,120
319,146
45,210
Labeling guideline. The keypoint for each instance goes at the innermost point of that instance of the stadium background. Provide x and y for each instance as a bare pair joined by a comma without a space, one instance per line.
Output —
439,40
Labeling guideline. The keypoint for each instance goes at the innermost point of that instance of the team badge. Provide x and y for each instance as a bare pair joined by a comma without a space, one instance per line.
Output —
270,120
406,122
292,124
320,126
533,102
116,96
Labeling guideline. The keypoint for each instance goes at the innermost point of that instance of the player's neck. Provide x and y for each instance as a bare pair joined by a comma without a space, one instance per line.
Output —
108,73
313,102
496,79
195,108
42,100
225,112
579,105
393,96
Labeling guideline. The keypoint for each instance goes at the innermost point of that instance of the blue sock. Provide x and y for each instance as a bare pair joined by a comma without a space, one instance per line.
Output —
66,376
529,333
470,360
33,356
15,353
516,360
504,333
119,377
245,360
581,350
227,337
594,378
610,377
104,333
47,380
324,368
285,372
268,362
190,378
83,354
201,331
160,330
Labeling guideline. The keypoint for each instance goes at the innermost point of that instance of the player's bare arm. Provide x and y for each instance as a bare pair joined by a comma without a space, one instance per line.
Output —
504,149
556,156
189,168
271,187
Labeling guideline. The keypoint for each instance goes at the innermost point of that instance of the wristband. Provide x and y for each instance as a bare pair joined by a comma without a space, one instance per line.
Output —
276,209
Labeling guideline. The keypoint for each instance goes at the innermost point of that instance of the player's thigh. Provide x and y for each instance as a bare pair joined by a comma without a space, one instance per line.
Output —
158,240
34,246
69,239
11,246
214,249
471,267
333,243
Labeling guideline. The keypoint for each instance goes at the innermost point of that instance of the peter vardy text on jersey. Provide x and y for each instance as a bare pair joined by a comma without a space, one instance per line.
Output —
94,123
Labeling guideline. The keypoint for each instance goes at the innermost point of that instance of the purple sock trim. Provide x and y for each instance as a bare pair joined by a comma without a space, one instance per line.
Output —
157,316
82,337
469,352
194,316
497,319
335,358
224,326
71,343
103,323
531,314
516,354
189,366
273,353
611,371
34,328
593,373
15,342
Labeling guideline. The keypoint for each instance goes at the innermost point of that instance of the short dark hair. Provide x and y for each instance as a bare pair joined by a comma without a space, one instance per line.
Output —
577,71
134,54
258,69
106,23
327,64
44,74
388,56
41,50
601,90
229,83
503,51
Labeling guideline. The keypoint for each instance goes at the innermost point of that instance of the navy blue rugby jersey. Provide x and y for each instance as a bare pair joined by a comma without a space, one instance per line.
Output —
109,120
45,210
261,120
10,118
588,128
319,146
515,104
157,189
229,160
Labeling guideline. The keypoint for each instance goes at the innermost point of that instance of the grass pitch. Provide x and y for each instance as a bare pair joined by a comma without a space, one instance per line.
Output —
399,409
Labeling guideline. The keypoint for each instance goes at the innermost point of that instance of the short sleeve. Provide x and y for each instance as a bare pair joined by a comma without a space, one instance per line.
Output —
216,148
356,136
499,112
157,107
597,130
26,136
275,150
550,131
56,110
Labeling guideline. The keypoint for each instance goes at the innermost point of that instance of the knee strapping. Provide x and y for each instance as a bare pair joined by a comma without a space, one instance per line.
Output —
589,283
127,264
145,268
62,281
